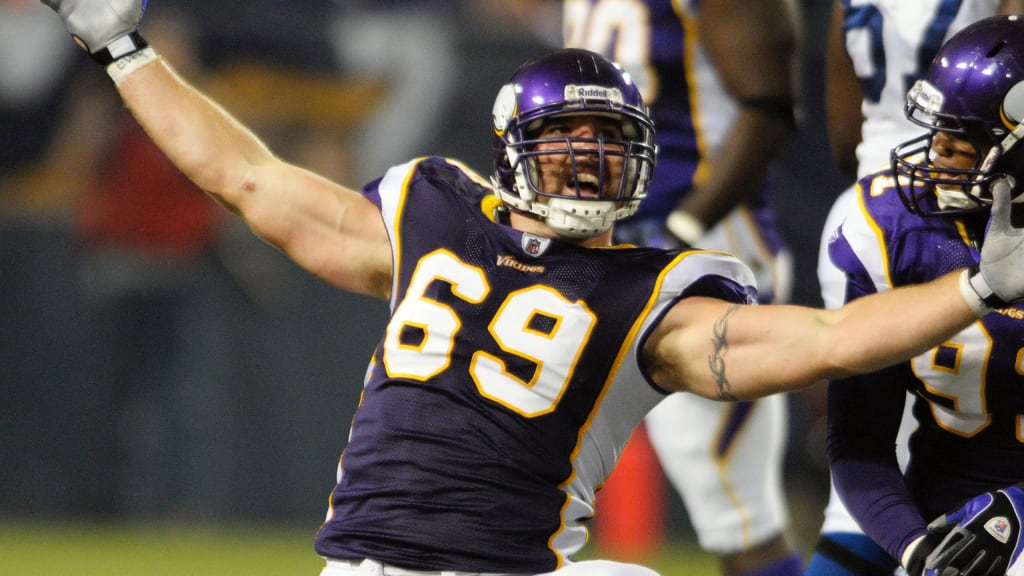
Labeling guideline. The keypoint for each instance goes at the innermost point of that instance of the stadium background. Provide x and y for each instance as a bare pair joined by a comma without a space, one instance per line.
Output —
302,346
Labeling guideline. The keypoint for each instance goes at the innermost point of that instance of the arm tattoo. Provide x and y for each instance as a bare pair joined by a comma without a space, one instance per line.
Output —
716,361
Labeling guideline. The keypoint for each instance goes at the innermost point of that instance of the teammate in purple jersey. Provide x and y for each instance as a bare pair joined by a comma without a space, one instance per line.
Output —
719,77
523,348
876,51
910,224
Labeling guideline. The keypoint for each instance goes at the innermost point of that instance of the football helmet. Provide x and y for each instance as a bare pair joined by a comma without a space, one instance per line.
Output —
973,90
572,82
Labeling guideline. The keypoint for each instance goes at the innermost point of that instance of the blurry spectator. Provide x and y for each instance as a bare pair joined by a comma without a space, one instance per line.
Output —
47,147
420,72
161,358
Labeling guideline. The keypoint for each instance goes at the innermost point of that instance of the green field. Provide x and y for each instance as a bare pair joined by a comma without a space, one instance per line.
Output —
36,548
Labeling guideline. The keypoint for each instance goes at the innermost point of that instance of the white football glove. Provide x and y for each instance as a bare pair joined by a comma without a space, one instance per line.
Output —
107,29
999,279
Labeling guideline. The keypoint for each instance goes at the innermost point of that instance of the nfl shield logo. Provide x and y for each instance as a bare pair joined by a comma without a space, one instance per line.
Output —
534,245
999,528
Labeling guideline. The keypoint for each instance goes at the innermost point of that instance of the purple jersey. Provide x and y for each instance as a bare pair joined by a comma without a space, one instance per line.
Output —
969,391
506,385
656,42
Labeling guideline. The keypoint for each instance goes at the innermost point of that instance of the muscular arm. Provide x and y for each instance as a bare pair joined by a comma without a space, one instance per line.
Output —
753,45
726,351
331,231
843,98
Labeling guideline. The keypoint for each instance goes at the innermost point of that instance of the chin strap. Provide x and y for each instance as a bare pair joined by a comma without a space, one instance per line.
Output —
578,219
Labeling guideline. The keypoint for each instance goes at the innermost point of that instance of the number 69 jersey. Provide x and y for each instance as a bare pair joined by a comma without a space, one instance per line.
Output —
506,385
969,391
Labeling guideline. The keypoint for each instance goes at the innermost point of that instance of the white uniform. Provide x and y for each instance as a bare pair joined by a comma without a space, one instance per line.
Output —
727,463
891,44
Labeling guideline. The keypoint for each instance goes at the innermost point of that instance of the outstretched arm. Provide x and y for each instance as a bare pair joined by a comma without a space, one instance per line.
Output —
728,351
331,231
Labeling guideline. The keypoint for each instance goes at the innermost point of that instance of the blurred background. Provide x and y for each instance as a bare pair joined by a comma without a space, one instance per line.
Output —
160,363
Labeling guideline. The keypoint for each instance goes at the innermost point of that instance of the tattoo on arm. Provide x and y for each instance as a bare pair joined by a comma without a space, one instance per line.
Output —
716,361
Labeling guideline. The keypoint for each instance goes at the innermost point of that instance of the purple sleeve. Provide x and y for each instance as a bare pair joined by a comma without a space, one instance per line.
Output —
864,414
371,192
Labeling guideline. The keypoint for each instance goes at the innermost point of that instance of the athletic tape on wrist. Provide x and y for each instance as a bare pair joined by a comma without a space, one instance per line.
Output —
971,296
988,295
121,68
685,226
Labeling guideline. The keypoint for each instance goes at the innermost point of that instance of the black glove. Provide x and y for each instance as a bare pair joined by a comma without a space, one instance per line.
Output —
982,538
107,29
915,564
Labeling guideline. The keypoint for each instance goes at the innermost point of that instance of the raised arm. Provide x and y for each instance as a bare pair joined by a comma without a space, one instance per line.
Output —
331,231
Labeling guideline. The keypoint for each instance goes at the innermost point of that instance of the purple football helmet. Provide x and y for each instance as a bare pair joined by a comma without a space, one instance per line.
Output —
974,90
571,82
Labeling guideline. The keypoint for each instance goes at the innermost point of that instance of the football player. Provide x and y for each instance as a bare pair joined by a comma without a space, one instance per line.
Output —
719,77
523,348
906,225
876,51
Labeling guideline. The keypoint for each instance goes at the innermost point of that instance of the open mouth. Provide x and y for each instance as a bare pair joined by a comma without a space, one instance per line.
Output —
586,184
952,177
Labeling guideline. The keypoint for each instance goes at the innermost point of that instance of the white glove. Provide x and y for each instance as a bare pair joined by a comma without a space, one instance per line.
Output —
999,279
107,29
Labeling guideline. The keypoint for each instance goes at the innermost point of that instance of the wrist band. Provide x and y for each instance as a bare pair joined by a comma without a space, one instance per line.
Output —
119,48
121,68
987,294
971,295
685,226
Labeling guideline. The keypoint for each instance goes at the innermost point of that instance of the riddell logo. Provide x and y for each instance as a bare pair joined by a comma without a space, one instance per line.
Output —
591,92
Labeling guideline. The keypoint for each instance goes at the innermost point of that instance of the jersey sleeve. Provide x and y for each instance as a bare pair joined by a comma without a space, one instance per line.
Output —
864,414
865,411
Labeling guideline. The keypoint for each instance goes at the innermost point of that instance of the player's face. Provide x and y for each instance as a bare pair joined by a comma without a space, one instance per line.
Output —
949,151
556,170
